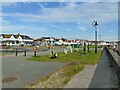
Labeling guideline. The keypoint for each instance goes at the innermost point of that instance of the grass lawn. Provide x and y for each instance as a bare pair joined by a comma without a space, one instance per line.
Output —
75,63
4,53
88,58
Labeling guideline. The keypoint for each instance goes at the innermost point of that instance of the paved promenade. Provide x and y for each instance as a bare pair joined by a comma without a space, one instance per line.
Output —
26,71
82,79
95,76
104,76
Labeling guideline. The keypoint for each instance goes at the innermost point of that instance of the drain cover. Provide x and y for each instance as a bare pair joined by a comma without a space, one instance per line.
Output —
8,79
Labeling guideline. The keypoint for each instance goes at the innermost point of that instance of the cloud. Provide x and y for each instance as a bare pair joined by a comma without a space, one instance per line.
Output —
53,25
81,15
8,4
5,22
19,28
82,28
68,29
14,4
110,38
41,5
112,31
59,0
72,12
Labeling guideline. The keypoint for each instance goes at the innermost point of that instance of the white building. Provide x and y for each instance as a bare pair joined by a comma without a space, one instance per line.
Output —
49,40
59,42
14,40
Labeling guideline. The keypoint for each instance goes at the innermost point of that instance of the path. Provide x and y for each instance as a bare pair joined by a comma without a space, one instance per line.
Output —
104,76
26,71
82,79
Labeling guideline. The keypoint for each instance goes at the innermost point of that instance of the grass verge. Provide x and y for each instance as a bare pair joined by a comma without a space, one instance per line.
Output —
88,58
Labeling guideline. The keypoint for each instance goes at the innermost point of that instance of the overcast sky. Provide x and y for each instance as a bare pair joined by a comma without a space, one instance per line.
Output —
72,20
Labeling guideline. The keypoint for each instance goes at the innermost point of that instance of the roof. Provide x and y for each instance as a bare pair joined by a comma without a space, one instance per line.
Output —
25,37
57,39
70,40
47,37
6,35
16,36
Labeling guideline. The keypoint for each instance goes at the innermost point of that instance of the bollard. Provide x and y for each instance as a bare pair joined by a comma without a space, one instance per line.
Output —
34,52
81,49
88,47
25,52
65,51
84,48
16,52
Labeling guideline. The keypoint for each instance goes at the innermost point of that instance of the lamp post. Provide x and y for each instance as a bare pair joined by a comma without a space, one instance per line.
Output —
95,25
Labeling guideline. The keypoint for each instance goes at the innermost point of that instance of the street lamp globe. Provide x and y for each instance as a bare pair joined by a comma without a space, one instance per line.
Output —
94,23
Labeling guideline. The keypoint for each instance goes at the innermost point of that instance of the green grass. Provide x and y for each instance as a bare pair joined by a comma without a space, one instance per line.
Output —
4,54
88,58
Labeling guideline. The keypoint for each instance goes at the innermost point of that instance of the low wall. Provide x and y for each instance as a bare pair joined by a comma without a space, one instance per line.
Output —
115,62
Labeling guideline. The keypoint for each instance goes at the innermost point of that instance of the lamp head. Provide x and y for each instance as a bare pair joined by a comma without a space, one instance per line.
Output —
94,23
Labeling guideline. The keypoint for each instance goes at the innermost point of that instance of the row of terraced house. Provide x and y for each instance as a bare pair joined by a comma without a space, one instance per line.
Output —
18,39
14,40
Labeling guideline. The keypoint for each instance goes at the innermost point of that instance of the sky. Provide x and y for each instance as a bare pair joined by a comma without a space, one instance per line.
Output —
71,20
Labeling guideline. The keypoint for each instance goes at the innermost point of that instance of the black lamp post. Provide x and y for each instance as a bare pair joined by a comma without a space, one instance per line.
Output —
95,25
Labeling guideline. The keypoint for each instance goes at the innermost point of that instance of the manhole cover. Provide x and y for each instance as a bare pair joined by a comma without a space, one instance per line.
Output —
8,79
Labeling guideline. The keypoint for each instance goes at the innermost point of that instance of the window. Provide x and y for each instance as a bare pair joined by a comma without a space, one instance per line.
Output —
13,43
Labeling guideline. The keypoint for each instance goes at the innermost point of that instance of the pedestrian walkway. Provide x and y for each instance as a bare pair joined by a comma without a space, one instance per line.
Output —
82,79
105,75
95,76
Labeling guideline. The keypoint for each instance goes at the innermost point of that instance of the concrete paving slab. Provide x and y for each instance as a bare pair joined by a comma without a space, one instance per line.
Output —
82,79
